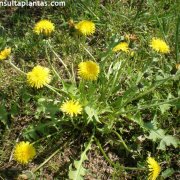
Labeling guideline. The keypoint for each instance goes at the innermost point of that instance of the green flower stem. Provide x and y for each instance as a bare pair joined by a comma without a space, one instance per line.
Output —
123,142
112,163
56,90
59,59
75,126
52,155
15,67
88,52
134,168
2,177
91,88
82,89
52,89
55,72
42,164
104,154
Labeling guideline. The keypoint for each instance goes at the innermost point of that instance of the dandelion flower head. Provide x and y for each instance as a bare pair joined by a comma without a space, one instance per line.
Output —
4,54
24,152
45,27
88,70
159,46
85,27
122,46
154,168
73,108
38,77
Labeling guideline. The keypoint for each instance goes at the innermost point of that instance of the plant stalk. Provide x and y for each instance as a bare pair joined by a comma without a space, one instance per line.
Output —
123,142
52,89
59,59
15,67
112,163
55,72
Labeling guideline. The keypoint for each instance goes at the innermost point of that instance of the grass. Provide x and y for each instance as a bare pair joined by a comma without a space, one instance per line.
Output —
130,112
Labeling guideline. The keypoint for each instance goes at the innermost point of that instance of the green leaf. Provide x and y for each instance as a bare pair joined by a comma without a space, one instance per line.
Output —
164,108
14,109
121,101
153,124
46,107
40,130
78,172
92,113
167,141
30,133
168,172
69,89
137,119
156,134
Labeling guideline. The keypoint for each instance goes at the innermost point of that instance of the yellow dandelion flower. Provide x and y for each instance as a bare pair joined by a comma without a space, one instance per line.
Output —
122,46
45,27
73,108
4,54
88,70
24,152
159,46
85,27
178,66
38,77
154,168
